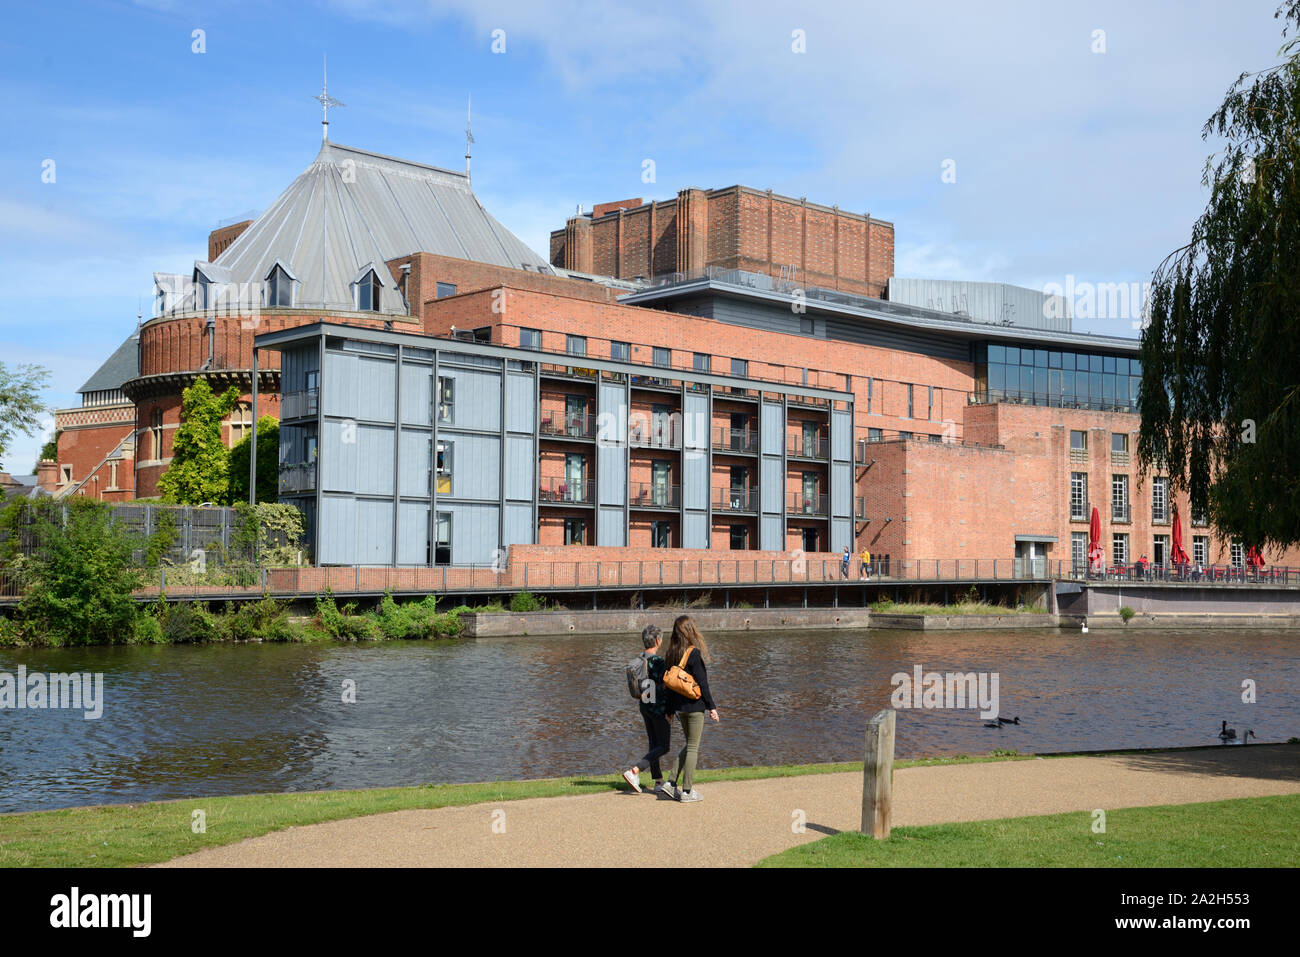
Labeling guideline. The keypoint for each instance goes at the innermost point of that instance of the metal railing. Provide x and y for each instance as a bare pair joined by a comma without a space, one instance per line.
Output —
577,425
297,477
558,491
1054,400
1188,573
735,440
809,447
798,503
736,499
654,495
655,435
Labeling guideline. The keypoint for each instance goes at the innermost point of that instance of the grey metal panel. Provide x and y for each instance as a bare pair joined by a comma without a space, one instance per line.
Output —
771,485
336,386
841,534
842,489
695,529
929,344
374,532
770,530
476,399
475,465
992,302
771,429
610,527
413,533
519,524
695,481
521,463
611,474
338,458
351,207
842,436
521,402
417,393
417,463
695,421
375,388
294,366
474,530
374,474
337,531
611,409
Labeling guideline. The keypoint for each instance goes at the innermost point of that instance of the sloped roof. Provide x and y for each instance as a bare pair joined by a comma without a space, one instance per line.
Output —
351,207
121,366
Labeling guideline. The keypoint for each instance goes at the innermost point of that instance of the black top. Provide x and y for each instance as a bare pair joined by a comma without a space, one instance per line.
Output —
695,668
655,668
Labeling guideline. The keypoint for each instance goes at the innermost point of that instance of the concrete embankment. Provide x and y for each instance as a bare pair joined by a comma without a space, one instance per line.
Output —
961,622
509,624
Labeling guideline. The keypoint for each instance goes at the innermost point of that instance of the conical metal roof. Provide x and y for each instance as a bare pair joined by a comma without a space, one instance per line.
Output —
351,208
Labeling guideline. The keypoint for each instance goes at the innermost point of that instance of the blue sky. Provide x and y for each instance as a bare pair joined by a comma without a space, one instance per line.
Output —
1069,162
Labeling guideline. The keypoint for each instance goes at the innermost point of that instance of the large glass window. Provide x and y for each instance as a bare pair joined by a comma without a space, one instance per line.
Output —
1079,496
530,338
1160,500
1078,440
662,357
620,351
575,345
446,398
1119,548
1119,510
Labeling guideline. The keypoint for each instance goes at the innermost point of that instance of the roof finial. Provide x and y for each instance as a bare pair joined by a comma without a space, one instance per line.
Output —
326,101
469,137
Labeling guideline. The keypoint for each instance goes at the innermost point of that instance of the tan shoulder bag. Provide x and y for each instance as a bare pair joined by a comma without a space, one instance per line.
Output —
680,680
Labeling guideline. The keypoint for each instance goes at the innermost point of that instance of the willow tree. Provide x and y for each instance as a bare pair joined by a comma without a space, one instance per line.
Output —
1221,351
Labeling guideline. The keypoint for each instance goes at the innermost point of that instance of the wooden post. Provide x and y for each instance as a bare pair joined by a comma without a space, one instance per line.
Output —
878,775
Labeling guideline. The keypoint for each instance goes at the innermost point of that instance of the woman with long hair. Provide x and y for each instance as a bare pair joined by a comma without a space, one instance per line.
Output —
686,649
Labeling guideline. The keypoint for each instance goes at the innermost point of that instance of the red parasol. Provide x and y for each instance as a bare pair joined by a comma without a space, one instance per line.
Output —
1253,558
1095,555
1179,556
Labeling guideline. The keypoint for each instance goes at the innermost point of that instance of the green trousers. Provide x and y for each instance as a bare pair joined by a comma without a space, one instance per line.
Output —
684,764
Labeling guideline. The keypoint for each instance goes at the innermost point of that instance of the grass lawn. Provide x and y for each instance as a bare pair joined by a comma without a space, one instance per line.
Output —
1249,832
960,608
130,834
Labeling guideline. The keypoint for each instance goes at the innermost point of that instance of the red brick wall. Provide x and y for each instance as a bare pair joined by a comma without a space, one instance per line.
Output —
219,239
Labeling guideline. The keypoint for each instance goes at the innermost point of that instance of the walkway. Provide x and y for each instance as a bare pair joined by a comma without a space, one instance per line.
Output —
740,822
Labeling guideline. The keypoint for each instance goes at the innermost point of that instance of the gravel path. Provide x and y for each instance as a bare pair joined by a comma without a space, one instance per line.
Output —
740,822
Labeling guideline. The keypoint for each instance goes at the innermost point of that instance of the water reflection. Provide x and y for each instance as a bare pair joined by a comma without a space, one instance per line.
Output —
210,720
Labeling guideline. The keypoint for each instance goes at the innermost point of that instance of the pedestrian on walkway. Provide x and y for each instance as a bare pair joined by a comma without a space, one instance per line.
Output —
649,689
844,561
864,570
686,651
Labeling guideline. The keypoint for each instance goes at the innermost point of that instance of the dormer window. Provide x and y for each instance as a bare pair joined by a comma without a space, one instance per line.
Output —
368,292
203,293
279,287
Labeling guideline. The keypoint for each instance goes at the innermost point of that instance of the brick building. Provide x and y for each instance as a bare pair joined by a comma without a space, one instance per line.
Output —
732,228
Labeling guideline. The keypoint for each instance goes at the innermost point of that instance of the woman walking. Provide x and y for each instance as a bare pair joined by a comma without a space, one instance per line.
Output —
686,651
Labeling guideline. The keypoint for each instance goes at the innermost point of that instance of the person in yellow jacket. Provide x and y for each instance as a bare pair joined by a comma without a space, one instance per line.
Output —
864,570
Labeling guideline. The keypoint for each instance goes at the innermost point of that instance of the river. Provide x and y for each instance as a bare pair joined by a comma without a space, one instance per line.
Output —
193,721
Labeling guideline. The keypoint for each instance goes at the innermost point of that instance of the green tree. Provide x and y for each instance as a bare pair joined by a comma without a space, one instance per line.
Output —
50,451
1221,352
20,402
200,469
77,576
268,462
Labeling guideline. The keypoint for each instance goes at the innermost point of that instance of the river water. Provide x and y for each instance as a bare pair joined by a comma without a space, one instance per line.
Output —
192,721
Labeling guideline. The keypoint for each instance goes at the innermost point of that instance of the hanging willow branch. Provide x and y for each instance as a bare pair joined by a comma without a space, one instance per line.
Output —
1221,352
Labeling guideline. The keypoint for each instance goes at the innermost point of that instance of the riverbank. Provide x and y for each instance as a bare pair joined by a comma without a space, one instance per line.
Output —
743,822
747,815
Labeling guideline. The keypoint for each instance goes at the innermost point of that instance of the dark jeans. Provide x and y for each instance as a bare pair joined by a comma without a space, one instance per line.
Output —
658,730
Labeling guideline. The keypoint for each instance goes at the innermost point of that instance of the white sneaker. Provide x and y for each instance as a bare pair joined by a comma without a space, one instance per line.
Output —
668,788
633,780
687,796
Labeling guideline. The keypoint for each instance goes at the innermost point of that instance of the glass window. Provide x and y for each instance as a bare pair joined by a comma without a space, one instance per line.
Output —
279,288
1026,357
1079,550
1135,367
997,379
575,531
446,398
1078,440
1119,441
663,358
368,293
1201,549
873,435
1095,364
1040,358
575,345
871,388
1119,498
444,289
530,338
1108,364
1079,496
909,400
1237,554
620,351
444,466
806,325
1081,361
997,353
1160,500
739,538
1054,360
739,367
701,362
660,535
929,412
1119,548
1013,356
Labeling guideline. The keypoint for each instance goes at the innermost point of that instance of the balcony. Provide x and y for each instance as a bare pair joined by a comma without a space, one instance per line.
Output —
800,503
654,495
735,499
568,425
299,405
297,477
557,491
739,441
654,435
807,446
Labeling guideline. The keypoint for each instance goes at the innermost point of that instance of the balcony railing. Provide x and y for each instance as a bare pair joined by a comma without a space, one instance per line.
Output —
654,495
736,499
574,425
559,492
298,405
297,477
808,447
735,440
800,503
656,435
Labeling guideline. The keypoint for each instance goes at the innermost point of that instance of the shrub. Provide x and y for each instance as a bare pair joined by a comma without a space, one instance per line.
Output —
10,634
186,623
525,601
344,623
1126,613
264,620
148,630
